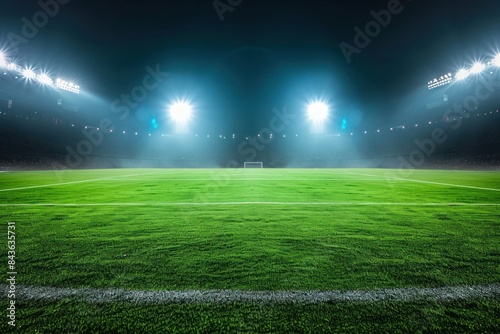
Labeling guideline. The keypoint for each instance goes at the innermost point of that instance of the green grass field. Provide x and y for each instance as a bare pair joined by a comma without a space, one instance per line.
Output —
253,230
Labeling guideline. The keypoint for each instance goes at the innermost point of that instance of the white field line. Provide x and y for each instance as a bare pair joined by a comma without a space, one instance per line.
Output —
230,180
263,297
66,183
159,204
432,182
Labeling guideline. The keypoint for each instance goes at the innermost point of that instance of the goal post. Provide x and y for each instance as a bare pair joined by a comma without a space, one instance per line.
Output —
253,165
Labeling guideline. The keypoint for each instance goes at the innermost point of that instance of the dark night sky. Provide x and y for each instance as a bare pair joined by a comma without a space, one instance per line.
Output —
264,54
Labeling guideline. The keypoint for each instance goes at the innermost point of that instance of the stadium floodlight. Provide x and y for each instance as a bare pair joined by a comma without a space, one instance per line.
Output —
477,68
12,66
67,86
44,79
496,60
29,74
318,111
180,111
441,81
462,74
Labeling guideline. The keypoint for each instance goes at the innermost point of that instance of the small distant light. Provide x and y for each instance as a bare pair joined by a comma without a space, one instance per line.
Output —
136,133
149,135
366,132
416,125
378,130
392,129
123,132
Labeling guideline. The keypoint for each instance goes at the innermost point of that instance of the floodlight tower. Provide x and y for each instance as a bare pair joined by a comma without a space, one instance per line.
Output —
180,113
318,113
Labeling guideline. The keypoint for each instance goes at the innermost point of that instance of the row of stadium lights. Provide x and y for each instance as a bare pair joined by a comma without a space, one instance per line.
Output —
180,111
271,136
43,78
463,74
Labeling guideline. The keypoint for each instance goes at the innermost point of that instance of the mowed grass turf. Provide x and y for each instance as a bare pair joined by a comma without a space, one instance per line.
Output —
257,229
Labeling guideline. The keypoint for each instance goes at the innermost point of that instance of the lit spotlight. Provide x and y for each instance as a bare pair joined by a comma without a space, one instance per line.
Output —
11,66
462,74
496,60
45,79
318,111
477,68
29,74
180,111
67,86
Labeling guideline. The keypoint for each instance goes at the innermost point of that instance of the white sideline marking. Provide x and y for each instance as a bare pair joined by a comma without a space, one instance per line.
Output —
431,182
90,295
247,203
230,179
66,183
448,184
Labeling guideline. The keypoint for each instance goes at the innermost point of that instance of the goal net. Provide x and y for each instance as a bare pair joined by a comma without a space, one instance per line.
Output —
253,165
